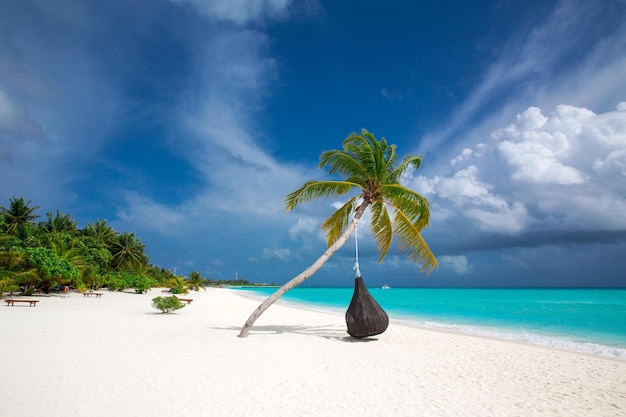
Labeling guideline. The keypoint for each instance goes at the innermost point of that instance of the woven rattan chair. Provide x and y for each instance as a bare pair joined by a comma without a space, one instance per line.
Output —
365,317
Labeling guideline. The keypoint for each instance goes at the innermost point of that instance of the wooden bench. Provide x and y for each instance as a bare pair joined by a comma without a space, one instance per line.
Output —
31,303
89,294
187,300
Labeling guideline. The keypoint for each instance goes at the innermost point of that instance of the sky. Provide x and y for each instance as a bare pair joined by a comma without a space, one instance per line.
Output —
187,122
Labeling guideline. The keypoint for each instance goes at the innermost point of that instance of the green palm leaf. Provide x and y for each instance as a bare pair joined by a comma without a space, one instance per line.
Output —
313,190
381,228
337,222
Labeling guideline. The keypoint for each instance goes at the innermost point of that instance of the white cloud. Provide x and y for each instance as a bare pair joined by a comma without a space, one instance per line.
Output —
552,62
307,225
562,171
466,195
541,151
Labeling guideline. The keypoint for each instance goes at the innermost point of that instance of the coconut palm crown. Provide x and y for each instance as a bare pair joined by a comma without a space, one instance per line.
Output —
370,166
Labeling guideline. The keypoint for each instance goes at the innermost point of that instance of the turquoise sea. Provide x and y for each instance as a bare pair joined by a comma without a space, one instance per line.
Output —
586,320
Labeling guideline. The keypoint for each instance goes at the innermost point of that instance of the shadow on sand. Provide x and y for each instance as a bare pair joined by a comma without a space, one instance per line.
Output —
327,332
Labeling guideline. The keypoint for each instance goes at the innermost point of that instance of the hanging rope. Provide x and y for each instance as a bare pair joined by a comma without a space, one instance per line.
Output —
356,244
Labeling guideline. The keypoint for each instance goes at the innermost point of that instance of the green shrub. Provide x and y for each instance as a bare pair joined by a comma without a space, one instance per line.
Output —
167,304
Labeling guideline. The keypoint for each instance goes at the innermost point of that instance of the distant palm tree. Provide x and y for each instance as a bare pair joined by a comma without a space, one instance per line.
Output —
370,166
128,252
101,232
195,281
13,270
19,216
59,223
178,285
7,285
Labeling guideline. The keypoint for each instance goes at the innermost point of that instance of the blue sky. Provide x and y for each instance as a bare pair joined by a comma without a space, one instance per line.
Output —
188,121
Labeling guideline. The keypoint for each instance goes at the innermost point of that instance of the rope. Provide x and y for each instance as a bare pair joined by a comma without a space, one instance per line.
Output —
356,244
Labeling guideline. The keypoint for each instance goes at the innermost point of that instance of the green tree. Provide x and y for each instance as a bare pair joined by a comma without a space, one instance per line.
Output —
128,252
7,285
195,281
137,280
178,285
370,166
167,304
114,281
162,275
101,232
14,270
19,217
59,223
53,268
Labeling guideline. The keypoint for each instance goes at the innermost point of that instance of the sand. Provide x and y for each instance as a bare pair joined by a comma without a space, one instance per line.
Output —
117,356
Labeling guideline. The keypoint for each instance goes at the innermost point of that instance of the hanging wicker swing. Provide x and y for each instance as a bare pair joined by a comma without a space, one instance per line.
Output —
364,317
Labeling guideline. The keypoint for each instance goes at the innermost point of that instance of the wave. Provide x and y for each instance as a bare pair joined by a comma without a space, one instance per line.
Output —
526,337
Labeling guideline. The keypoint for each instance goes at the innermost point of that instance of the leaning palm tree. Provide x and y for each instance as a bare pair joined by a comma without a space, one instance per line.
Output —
370,166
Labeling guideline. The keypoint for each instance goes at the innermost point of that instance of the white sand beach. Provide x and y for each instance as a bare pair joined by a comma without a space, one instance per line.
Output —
117,356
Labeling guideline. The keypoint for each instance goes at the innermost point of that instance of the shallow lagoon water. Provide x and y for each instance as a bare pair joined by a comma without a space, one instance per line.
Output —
586,320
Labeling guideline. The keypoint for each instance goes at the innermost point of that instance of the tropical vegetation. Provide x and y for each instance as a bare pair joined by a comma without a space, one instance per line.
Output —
369,166
47,255
167,304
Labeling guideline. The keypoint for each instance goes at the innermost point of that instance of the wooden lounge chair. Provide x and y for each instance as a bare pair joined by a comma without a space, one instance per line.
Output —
11,302
187,300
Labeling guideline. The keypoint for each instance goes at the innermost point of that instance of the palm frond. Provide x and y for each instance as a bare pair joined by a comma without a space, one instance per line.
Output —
411,241
312,190
337,222
342,163
409,160
364,147
390,161
381,228
410,203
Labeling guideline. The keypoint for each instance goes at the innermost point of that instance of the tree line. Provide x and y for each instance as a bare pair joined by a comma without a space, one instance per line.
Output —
51,254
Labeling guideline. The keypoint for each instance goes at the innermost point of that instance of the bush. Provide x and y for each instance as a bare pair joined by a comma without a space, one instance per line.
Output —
167,304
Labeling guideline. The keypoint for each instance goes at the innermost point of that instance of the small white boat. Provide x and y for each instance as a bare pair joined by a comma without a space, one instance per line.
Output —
386,287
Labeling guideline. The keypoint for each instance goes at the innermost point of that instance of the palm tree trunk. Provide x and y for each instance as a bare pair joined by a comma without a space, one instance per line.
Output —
306,274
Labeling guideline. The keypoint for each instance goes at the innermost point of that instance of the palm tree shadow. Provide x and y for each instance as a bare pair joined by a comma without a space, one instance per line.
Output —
327,332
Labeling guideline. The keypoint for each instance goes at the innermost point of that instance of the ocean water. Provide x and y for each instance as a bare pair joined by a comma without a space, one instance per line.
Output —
585,320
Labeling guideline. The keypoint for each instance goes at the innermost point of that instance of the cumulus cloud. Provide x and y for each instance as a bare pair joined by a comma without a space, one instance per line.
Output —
541,154
474,200
541,173
551,62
